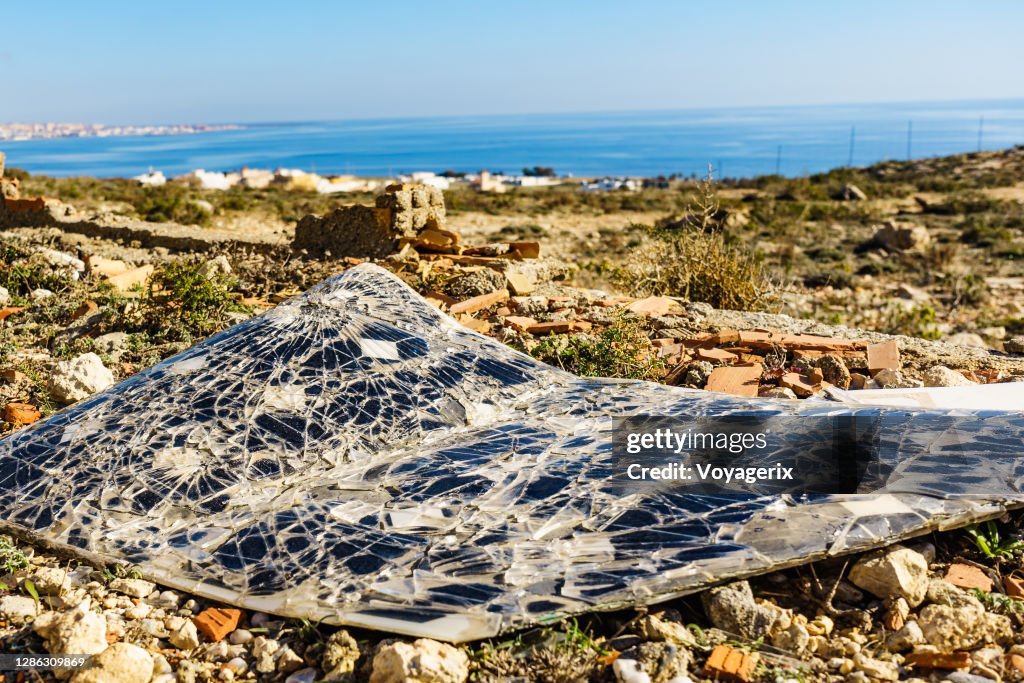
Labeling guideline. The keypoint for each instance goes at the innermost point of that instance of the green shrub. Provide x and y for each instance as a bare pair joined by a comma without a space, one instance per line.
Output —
620,350
193,301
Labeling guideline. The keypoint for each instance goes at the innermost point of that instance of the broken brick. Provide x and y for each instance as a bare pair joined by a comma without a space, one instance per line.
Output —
738,380
525,249
1013,586
86,309
729,664
1015,661
10,310
654,306
520,321
968,577
479,303
475,324
21,413
799,385
215,623
883,356
13,376
715,355
123,282
939,660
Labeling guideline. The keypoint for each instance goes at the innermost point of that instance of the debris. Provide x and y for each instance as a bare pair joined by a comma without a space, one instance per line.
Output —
21,413
883,356
799,384
186,637
558,327
18,609
215,623
896,571
136,588
655,306
10,310
938,660
341,652
738,380
714,355
941,376
962,628
478,303
79,631
1013,586
968,577
128,280
729,664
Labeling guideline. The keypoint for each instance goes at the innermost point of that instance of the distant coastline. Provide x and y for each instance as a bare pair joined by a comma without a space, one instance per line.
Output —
17,132
737,142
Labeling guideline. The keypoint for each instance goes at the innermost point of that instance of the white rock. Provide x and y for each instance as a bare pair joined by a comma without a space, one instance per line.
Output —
119,663
423,661
288,661
79,631
732,608
215,266
896,571
263,651
629,671
135,588
240,636
139,611
895,379
186,637
941,376
302,676
78,378
17,608
906,638
238,665
967,339
111,343
962,628
5,296
876,668
50,580
40,294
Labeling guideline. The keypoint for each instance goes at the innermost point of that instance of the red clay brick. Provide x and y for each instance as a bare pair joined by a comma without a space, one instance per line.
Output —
939,660
215,623
967,577
729,664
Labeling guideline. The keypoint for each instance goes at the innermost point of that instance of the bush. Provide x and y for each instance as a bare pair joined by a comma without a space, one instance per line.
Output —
194,302
621,350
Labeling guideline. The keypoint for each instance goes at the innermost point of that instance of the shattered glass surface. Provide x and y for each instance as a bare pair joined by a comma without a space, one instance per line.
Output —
355,456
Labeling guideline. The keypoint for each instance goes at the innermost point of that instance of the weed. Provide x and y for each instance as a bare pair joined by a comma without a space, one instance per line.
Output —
32,591
997,602
917,321
120,571
11,556
620,350
196,300
990,544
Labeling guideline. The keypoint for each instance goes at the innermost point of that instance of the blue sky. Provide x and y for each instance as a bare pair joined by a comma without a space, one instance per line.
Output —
137,62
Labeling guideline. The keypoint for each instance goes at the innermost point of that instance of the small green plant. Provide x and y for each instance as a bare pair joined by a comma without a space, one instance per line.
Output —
991,544
997,602
121,571
194,298
11,556
918,321
31,589
621,350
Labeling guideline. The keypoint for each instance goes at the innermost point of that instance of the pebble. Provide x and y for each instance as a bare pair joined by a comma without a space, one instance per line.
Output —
240,636
186,637
17,608
139,611
896,571
302,676
423,660
288,661
135,588
732,608
51,580
964,677
237,665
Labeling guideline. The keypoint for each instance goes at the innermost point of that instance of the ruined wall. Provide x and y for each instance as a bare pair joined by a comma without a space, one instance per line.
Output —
403,211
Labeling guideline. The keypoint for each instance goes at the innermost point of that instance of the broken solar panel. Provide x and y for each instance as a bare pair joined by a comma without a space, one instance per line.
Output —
354,456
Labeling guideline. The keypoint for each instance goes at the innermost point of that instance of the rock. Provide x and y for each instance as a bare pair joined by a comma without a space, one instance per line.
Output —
833,371
777,392
78,378
263,651
941,592
110,344
895,379
898,237
119,663
50,580
906,638
697,374
876,668
732,608
186,637
477,282
288,661
135,588
240,636
896,571
962,628
5,296
850,193
306,675
17,609
1012,345
130,279
909,293
964,677
341,652
79,631
969,339
40,294
215,267
654,628
941,376
423,661
793,639
652,662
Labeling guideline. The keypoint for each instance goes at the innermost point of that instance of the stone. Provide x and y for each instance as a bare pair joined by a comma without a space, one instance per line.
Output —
51,580
480,302
341,652
895,379
733,609
883,356
716,355
240,636
18,609
78,631
119,663
288,660
909,293
969,339
1012,345
776,392
962,628
215,623
1013,586
21,413
135,588
476,283
186,637
898,237
654,628
655,662
964,677
794,639
906,638
5,296
264,651
40,294
800,385
967,577
850,193
655,306
78,378
306,675
938,660
896,571
941,376
942,592
833,370
876,668
422,661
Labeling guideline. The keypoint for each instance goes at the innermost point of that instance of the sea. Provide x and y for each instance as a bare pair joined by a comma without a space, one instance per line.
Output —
736,142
